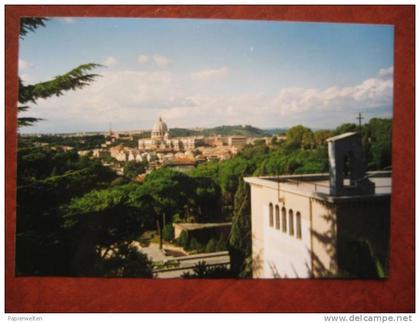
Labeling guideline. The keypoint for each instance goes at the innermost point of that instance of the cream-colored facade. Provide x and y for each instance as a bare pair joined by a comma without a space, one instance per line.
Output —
322,225
296,225
237,142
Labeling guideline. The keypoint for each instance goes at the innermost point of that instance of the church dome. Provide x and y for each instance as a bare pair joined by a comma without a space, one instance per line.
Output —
159,129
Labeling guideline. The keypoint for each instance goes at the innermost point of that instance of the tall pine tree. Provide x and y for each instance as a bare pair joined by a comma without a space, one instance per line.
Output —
240,242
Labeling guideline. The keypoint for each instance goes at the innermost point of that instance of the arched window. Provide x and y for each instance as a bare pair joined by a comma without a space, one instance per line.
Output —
283,220
291,228
271,214
277,217
298,226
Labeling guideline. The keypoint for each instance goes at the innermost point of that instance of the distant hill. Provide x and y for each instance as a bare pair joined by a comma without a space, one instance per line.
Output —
183,132
237,130
275,131
234,131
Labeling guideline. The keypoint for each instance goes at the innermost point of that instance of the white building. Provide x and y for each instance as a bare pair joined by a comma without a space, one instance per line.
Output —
322,225
160,140
237,142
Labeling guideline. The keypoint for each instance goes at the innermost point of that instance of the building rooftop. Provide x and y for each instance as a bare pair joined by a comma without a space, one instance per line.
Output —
318,185
342,136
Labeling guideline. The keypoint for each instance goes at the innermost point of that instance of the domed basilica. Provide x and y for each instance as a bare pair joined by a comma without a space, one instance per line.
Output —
161,141
160,130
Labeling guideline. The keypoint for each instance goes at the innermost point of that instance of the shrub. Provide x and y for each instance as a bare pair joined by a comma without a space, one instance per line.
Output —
183,239
168,232
221,243
195,245
211,245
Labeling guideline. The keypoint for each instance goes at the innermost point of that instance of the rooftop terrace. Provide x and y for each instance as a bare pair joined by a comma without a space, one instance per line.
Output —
318,185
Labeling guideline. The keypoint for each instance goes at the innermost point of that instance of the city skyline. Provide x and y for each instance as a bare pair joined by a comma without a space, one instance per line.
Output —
206,73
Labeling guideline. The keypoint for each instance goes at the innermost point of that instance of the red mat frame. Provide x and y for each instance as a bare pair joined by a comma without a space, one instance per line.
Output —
395,294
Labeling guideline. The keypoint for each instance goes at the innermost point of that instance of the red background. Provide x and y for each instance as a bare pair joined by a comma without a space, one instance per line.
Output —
396,294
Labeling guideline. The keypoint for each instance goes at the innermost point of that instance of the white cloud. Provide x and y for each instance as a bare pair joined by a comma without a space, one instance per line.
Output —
161,60
372,93
23,64
134,99
142,59
129,98
110,61
209,73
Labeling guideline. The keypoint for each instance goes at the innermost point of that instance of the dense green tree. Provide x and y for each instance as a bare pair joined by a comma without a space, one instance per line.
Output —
127,262
103,222
240,235
320,137
377,136
42,244
296,135
55,141
207,200
133,168
345,127
196,199
168,232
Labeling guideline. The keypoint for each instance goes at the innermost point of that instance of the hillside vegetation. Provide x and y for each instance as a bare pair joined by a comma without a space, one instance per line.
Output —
236,130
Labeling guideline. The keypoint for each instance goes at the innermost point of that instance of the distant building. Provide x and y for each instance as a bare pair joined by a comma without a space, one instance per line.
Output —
134,155
100,153
237,142
119,153
160,140
322,225
214,141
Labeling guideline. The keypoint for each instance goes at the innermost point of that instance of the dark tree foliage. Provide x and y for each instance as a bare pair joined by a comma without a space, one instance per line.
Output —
297,136
103,223
133,168
47,181
76,142
240,234
377,140
127,262
194,199
168,232
30,24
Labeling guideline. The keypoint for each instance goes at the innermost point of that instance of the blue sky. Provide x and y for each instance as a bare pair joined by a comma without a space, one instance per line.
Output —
203,73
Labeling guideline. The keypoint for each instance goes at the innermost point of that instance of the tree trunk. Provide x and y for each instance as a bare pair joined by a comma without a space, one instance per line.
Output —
160,234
